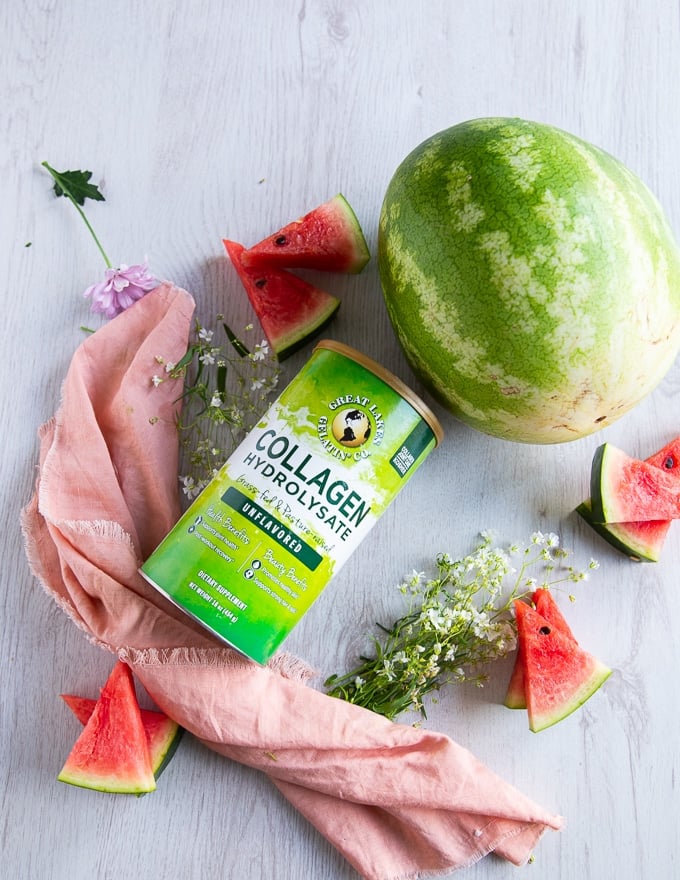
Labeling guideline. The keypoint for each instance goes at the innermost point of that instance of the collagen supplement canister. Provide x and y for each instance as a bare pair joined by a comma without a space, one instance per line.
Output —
289,506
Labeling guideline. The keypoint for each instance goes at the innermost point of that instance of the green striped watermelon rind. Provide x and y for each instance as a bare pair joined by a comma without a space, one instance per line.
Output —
509,252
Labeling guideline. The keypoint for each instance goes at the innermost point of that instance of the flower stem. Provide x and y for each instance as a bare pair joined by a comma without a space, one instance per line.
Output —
64,187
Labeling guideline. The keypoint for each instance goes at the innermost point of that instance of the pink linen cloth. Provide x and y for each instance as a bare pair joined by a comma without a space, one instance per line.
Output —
396,801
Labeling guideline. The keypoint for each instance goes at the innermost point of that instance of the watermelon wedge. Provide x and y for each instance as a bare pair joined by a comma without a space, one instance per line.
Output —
328,238
641,541
290,310
112,752
545,605
162,733
559,675
624,489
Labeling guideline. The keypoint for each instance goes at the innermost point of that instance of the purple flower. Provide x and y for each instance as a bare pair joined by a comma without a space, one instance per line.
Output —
120,288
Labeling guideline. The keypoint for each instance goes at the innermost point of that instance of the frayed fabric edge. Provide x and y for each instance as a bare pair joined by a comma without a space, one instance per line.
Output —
32,557
287,665
104,529
432,874
46,427
61,603
292,667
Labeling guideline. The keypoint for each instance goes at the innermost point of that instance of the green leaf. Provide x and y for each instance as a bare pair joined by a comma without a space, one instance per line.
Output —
74,185
239,347
187,358
222,379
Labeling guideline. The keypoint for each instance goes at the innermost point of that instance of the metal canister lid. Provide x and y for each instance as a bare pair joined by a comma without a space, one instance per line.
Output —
390,379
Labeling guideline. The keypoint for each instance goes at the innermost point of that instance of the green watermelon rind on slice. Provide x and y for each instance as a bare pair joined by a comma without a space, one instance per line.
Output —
112,752
559,675
163,734
291,311
598,674
328,238
515,695
640,541
163,742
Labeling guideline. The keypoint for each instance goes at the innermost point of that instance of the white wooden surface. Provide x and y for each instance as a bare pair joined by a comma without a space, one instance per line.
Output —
205,119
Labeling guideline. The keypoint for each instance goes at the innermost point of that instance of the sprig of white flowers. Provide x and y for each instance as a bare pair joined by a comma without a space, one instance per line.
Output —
227,387
456,622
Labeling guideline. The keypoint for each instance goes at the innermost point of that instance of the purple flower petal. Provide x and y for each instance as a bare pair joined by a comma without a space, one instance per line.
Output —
120,288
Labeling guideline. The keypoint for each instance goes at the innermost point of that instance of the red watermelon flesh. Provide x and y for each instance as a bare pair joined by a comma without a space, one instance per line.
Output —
112,752
162,733
642,541
328,238
624,489
515,697
559,675
290,310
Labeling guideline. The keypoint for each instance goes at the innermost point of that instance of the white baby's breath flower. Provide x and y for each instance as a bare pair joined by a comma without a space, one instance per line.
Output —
189,486
435,618
261,351
388,669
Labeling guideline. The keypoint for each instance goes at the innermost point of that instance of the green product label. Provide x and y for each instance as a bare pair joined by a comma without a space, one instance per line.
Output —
255,549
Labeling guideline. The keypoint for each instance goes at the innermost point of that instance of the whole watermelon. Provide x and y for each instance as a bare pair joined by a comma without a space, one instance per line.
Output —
531,278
